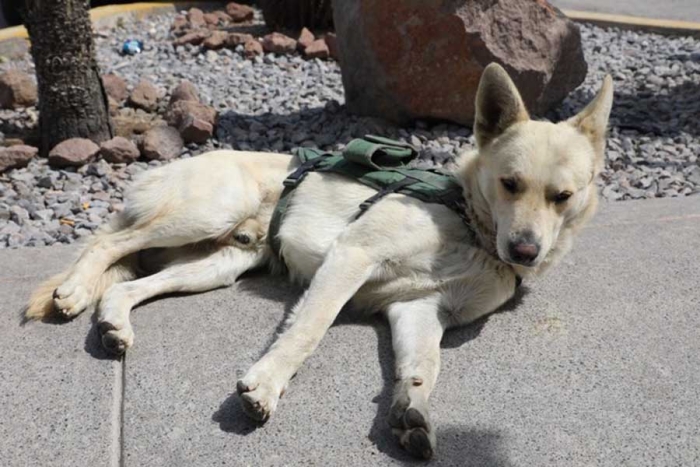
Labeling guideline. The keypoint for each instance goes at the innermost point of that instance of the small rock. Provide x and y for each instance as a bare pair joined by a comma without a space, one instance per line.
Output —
211,56
185,91
195,130
332,44
278,43
4,212
252,48
196,18
18,215
113,106
17,89
305,39
73,152
144,96
216,41
211,19
119,150
16,156
223,16
317,49
235,39
178,111
239,13
180,23
43,215
115,87
162,143
194,37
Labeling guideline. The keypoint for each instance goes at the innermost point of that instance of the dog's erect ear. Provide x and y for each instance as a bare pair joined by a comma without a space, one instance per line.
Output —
498,105
593,120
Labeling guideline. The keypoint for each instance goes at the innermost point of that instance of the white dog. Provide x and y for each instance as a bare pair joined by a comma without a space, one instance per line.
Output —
528,188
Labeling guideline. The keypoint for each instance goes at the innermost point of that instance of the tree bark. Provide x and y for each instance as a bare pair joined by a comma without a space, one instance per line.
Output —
72,99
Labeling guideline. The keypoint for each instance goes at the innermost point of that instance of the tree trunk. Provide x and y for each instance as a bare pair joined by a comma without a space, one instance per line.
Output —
297,14
72,99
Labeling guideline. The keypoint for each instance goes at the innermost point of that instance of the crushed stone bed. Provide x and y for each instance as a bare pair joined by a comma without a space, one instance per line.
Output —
276,103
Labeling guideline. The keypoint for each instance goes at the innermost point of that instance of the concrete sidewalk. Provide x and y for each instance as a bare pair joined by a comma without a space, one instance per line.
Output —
681,10
596,364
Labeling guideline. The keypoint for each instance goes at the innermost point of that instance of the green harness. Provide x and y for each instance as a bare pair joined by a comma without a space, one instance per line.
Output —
377,162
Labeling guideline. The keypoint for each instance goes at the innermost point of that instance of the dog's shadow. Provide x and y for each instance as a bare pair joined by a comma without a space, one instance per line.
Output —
455,443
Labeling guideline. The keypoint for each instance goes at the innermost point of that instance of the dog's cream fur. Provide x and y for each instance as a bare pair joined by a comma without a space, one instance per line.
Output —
416,262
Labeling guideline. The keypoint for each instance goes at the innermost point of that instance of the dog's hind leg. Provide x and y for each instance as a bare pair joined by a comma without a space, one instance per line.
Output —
416,329
106,248
198,272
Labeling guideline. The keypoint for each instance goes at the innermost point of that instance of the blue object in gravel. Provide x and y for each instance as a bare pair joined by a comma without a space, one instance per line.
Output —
132,47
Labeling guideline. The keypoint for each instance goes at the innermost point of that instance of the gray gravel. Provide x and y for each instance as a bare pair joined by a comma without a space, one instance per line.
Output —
275,103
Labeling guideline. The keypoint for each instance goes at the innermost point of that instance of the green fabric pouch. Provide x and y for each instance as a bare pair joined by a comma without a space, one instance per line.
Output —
378,153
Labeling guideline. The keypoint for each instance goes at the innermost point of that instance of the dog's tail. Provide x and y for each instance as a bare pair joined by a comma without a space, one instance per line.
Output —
41,306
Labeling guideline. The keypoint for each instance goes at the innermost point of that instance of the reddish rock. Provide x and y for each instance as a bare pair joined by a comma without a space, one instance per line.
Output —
180,110
305,39
193,37
180,23
252,48
17,89
73,152
129,122
185,91
332,44
212,19
162,143
278,43
115,87
235,39
239,13
195,130
196,18
223,16
113,106
317,49
119,150
435,72
216,41
16,157
144,96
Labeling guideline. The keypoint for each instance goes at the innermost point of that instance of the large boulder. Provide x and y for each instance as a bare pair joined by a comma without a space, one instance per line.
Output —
423,59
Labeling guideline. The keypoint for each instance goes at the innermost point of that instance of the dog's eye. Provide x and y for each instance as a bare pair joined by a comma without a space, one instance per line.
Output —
509,184
562,197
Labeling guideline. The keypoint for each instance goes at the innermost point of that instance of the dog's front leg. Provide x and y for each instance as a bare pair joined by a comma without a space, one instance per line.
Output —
343,272
416,331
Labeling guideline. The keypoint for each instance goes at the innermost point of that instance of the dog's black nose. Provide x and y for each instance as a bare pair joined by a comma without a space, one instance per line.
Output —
524,250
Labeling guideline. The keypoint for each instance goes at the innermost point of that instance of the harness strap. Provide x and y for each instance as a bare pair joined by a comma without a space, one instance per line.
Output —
393,188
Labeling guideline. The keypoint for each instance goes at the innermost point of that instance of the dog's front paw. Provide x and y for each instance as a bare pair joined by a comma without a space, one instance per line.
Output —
258,397
70,299
410,422
114,340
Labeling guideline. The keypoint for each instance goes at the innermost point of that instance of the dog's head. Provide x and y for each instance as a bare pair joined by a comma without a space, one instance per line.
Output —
536,178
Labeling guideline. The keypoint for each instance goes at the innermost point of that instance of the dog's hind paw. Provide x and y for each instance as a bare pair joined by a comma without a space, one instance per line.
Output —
412,427
258,399
69,301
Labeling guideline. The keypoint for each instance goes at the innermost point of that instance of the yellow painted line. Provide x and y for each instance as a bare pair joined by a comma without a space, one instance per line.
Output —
635,22
103,12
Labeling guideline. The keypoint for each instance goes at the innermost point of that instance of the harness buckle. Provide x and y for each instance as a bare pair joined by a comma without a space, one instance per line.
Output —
298,175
